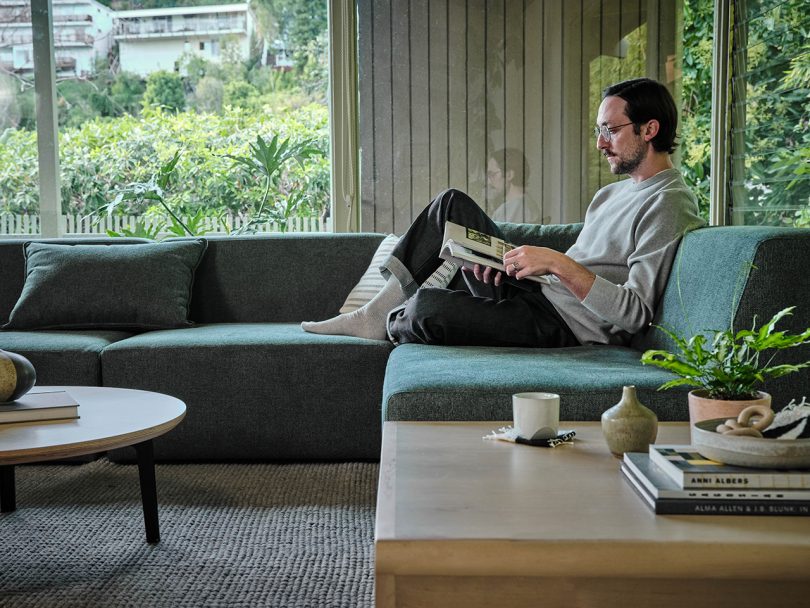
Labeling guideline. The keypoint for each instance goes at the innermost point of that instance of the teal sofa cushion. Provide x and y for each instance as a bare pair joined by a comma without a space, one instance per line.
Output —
267,391
12,265
476,383
279,278
729,276
554,236
63,357
139,287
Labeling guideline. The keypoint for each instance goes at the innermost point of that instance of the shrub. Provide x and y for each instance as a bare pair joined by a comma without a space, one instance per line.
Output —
104,154
164,90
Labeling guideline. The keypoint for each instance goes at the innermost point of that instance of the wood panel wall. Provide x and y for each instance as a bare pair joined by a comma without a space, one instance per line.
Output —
445,83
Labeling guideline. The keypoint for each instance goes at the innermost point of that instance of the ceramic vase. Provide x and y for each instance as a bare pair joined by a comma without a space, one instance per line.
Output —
629,426
17,376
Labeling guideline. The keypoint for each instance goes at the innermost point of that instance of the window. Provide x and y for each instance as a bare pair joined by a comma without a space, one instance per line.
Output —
132,113
769,139
498,99
19,175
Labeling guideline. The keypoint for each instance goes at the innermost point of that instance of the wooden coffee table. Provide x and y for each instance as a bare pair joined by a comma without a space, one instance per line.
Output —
109,418
466,522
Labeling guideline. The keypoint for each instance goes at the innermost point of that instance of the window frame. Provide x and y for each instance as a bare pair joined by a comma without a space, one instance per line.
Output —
719,157
50,205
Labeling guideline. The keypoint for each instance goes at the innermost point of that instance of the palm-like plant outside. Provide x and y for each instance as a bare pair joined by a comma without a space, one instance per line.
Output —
267,160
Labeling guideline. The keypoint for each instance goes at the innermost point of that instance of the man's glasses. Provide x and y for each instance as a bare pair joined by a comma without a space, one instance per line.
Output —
607,132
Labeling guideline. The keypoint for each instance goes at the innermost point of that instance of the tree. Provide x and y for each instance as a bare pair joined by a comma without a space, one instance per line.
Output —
298,23
770,141
126,92
164,90
209,94
9,107
240,94
79,101
698,18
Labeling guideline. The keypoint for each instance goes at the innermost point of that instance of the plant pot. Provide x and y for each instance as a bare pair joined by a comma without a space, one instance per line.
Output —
702,407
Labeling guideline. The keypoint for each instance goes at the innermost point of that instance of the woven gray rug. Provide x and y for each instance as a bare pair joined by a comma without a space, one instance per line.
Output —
231,535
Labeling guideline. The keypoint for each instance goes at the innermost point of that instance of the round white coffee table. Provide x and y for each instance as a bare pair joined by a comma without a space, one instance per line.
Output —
108,418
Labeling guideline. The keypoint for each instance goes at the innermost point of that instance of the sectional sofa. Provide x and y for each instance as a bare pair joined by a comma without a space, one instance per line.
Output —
258,387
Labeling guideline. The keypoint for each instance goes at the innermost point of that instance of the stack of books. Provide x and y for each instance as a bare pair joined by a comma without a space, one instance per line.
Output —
40,405
677,480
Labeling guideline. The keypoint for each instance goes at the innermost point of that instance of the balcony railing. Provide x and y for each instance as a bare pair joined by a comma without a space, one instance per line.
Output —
15,16
186,26
59,39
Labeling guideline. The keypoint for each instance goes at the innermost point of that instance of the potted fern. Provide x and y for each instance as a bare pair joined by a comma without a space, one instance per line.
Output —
728,366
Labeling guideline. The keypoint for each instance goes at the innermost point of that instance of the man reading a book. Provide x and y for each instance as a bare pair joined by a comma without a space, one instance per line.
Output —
604,288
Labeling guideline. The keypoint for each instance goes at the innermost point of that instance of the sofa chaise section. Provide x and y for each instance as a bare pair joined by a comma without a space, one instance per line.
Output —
721,275
477,383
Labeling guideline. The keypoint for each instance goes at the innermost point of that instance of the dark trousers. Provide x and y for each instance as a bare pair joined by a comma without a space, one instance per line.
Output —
469,312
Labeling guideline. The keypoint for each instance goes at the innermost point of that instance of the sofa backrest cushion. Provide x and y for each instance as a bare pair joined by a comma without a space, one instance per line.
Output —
132,286
279,277
733,273
12,265
554,236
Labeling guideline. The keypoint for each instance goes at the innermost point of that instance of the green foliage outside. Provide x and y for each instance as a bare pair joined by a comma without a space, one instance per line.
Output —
104,155
770,167
180,133
696,98
164,90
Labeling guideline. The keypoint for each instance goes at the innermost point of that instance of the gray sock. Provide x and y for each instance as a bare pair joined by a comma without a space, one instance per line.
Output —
367,321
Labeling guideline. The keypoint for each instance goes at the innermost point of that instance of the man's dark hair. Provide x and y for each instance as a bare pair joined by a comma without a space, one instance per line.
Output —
646,100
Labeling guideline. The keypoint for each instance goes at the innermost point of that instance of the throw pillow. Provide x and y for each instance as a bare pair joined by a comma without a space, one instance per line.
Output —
372,281
143,286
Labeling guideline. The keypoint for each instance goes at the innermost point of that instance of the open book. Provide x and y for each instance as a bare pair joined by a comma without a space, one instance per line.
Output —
467,247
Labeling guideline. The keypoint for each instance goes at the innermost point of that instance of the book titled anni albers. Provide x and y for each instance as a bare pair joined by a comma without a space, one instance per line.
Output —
665,497
687,468
40,406
467,247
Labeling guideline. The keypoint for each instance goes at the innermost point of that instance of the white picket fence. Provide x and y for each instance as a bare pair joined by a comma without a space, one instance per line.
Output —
17,225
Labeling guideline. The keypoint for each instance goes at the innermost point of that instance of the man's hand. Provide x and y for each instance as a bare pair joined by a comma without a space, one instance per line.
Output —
487,275
526,261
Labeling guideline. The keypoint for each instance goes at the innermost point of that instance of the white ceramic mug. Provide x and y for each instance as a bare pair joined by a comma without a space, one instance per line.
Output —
536,415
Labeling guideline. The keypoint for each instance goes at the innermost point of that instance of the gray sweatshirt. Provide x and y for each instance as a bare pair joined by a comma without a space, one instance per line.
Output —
629,240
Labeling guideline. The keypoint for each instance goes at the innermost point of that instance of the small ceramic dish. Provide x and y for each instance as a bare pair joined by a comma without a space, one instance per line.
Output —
749,451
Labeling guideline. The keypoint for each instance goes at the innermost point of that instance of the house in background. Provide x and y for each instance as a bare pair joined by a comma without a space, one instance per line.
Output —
155,39
82,32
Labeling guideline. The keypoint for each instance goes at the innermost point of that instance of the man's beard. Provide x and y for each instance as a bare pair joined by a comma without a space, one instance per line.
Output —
628,165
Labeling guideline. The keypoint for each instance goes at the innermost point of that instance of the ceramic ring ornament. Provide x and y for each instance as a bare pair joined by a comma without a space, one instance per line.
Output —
17,376
743,424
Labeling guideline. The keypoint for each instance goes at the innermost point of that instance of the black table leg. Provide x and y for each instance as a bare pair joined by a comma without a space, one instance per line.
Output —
8,500
146,472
